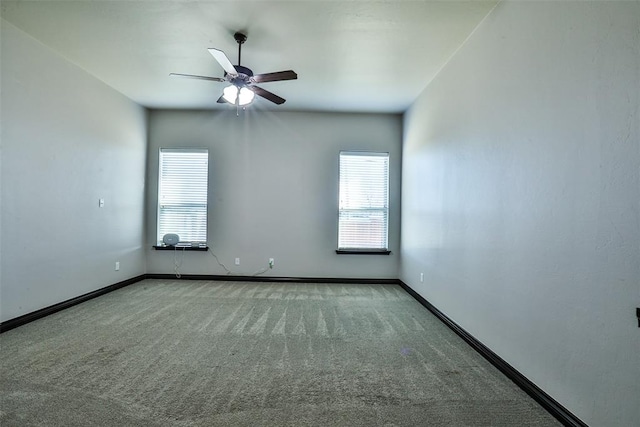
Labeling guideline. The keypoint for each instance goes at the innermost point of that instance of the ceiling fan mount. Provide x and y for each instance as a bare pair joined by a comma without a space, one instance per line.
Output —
240,37
242,78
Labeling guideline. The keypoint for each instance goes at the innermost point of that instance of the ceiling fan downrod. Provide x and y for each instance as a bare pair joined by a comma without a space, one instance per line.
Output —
240,39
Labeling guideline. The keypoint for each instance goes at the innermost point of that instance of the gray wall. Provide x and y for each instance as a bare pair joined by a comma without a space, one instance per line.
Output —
67,140
273,180
521,194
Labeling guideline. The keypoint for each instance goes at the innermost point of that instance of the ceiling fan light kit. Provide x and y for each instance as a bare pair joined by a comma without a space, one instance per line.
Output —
237,95
242,89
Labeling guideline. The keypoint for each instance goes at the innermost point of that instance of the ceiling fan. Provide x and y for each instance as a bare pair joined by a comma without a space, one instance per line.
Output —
243,87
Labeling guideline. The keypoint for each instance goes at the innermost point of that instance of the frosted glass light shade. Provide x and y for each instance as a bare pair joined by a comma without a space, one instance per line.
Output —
245,95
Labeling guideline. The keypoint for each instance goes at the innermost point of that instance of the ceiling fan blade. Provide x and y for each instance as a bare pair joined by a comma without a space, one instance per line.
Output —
274,77
222,59
267,95
191,76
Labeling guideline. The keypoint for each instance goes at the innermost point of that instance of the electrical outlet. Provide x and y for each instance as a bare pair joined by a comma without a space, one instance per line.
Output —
101,203
271,263
237,261
117,265
421,277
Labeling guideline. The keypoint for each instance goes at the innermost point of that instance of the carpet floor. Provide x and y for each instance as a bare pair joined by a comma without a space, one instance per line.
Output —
202,353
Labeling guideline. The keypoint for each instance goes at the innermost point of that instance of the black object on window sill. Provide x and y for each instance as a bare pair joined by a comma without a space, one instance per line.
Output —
363,252
183,247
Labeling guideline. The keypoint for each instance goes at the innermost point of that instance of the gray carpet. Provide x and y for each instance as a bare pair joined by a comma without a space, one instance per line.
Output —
187,353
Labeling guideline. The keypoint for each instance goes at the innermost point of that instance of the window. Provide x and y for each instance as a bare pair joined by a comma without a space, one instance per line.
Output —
363,215
182,194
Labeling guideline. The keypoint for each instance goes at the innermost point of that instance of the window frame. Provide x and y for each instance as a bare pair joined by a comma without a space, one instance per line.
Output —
362,250
192,244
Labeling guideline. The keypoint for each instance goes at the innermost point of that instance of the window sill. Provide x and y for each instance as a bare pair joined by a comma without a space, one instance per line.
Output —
181,247
362,252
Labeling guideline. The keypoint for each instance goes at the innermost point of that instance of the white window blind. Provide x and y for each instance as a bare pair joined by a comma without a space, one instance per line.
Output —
364,201
182,194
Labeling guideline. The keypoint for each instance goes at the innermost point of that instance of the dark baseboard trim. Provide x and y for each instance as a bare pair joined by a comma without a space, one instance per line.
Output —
274,279
561,413
39,314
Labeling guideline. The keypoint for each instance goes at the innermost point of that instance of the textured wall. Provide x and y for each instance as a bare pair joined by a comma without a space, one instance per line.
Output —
273,181
67,141
521,195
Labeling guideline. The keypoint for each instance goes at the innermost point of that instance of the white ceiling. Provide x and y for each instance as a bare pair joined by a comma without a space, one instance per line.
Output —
359,56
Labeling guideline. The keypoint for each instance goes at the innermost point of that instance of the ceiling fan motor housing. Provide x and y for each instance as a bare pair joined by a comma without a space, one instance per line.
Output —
242,79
